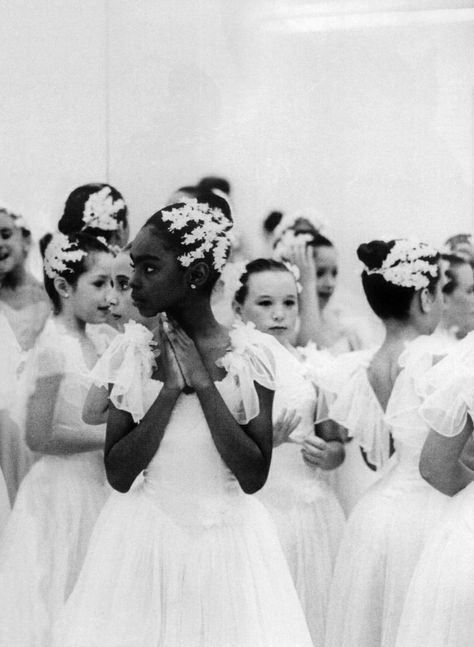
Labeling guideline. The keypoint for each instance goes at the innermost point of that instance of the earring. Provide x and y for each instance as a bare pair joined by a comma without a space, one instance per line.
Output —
193,287
66,296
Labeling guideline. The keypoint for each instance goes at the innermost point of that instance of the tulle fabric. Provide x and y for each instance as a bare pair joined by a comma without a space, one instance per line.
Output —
46,535
305,509
388,528
448,390
439,606
186,558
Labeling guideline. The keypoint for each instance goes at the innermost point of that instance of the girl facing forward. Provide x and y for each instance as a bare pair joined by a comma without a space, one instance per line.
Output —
185,558
46,536
306,511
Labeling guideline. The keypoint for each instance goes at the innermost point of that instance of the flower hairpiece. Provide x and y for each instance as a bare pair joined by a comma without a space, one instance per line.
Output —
289,220
283,247
210,233
100,210
406,264
59,252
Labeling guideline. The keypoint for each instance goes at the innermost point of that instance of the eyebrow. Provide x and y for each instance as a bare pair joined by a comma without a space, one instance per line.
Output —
145,257
122,276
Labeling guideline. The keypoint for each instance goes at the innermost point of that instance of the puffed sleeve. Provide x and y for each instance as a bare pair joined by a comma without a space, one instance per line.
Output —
127,365
249,360
448,390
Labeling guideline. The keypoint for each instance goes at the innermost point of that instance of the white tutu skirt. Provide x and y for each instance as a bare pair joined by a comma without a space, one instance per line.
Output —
44,544
439,609
150,581
310,522
382,543
4,503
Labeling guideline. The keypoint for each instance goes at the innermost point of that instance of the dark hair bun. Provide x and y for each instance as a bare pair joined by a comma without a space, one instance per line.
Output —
374,253
272,221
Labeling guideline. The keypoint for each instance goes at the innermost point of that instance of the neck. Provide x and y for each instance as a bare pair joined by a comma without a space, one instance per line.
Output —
71,322
18,276
195,317
399,332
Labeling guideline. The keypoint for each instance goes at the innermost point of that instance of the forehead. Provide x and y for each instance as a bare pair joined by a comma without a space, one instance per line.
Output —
464,274
6,220
122,264
99,263
276,284
326,255
148,243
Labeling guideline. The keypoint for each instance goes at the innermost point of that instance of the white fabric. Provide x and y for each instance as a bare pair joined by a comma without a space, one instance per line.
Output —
46,536
306,511
387,529
186,559
448,390
439,606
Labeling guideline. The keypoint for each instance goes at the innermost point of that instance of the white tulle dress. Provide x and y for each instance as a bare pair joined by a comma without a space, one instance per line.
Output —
185,559
387,529
439,608
10,361
46,536
305,509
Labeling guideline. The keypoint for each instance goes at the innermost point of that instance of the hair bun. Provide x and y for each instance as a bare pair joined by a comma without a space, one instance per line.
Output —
374,253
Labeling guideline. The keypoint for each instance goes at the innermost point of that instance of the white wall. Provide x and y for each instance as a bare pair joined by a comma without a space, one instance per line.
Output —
366,115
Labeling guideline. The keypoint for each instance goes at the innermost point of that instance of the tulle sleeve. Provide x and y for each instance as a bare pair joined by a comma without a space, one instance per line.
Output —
249,360
127,365
447,390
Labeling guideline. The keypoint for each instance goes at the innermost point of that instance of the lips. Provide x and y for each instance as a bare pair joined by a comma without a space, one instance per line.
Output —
4,255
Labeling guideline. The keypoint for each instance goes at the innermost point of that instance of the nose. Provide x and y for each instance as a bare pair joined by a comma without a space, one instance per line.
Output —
112,297
277,314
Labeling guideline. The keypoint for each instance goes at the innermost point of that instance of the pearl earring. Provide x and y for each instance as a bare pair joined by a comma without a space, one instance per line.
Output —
193,287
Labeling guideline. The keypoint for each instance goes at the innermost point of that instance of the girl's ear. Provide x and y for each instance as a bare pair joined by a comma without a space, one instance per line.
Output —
62,287
426,301
198,275
236,308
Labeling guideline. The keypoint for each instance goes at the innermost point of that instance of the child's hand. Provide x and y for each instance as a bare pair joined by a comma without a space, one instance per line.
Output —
173,376
320,453
285,425
190,362
302,255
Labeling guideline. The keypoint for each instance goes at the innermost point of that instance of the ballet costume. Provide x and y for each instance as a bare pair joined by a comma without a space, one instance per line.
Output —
439,606
305,509
388,527
46,536
185,558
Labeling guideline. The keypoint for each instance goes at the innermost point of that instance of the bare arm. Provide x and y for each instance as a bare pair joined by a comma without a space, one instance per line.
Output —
96,406
310,316
43,435
129,447
441,464
246,449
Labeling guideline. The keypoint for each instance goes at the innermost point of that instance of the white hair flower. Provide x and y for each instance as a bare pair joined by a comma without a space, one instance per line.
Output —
295,270
100,209
210,233
289,221
59,253
406,264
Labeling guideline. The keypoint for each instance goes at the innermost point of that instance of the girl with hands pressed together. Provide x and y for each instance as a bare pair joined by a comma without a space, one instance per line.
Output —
306,511
185,557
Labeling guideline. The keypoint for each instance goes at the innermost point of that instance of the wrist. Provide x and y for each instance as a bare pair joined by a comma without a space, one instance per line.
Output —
171,389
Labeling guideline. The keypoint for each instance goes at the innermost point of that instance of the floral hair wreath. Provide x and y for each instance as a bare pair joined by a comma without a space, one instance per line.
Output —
406,264
211,232
101,209
289,220
288,240
59,253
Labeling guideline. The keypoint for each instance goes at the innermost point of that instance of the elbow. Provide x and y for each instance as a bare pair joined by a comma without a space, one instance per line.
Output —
439,480
116,478
252,483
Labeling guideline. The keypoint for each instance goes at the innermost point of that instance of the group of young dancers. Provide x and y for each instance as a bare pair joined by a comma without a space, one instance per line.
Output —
170,481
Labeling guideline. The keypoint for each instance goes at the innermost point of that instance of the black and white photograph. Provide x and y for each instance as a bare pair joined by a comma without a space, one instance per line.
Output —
237,323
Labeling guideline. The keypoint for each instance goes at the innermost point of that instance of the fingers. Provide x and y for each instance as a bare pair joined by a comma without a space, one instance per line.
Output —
314,442
294,424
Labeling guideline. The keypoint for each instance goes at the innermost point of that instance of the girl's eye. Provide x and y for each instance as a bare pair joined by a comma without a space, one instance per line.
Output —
265,302
290,302
99,284
6,234
149,269
123,286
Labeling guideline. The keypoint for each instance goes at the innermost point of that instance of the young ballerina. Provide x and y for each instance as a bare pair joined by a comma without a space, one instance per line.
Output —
440,600
123,312
458,315
24,308
308,516
373,394
185,558
46,536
